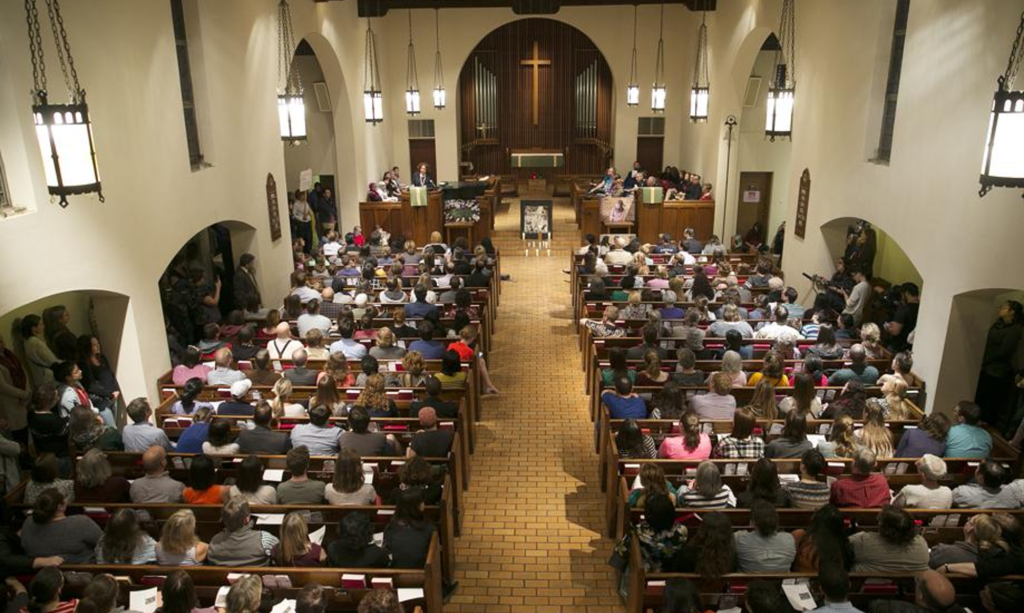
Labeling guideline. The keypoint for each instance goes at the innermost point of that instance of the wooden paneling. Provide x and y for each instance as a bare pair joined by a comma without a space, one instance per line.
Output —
570,52
654,219
422,151
649,152
414,223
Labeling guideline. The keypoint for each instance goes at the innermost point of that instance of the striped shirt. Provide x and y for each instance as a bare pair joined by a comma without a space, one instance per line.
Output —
751,447
690,499
803,495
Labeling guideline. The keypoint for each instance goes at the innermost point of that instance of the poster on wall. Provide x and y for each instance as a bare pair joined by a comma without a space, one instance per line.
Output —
803,201
535,219
618,210
273,209
751,196
306,180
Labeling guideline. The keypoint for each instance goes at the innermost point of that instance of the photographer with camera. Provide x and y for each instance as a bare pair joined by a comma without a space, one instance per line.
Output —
858,297
904,319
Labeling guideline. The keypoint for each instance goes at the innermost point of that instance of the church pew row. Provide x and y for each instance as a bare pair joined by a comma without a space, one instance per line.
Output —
472,391
484,330
152,517
402,398
647,590
344,597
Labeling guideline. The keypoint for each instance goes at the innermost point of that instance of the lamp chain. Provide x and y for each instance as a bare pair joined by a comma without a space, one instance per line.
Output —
1016,57
700,64
438,71
632,71
35,43
60,39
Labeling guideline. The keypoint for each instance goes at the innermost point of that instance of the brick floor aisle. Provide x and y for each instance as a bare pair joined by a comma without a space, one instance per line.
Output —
531,539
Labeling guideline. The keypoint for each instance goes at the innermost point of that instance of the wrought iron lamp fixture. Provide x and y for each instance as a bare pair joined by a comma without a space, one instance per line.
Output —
373,97
291,107
782,91
700,90
633,89
439,94
412,80
1003,161
64,131
658,91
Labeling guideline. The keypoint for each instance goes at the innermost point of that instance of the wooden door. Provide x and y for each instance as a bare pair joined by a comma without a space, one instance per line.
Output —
755,197
422,151
649,152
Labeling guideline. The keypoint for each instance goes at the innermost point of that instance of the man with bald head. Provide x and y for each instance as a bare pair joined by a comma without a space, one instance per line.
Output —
284,345
328,307
430,442
223,373
156,486
858,369
934,594
300,374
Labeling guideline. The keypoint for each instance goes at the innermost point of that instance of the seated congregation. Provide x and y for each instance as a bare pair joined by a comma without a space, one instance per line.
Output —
329,431
745,439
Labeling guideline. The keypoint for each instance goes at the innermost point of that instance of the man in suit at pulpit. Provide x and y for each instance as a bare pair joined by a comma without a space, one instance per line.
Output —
422,179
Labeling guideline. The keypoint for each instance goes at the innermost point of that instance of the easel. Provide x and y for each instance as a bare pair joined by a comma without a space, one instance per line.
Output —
543,241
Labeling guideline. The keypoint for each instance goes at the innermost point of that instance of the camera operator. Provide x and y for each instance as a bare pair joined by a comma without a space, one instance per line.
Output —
904,320
858,297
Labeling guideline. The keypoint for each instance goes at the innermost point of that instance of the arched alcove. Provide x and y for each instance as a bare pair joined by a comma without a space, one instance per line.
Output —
215,251
536,84
971,316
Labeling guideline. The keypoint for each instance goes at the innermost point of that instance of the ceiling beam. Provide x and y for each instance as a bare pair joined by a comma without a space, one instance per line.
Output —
379,8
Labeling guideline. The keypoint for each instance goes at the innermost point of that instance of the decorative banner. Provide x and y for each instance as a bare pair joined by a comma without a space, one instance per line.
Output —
803,200
306,180
417,196
535,219
461,211
273,209
653,195
617,210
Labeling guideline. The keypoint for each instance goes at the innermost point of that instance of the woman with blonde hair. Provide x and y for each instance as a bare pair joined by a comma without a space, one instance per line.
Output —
245,595
640,263
763,403
374,399
179,545
870,338
635,309
732,365
983,540
280,405
840,443
894,401
413,367
651,373
315,349
337,367
295,548
385,349
875,435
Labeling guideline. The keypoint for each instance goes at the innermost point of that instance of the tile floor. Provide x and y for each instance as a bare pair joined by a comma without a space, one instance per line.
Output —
532,533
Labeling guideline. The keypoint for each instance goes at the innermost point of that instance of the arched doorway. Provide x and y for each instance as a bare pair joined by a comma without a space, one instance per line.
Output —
312,165
198,285
536,84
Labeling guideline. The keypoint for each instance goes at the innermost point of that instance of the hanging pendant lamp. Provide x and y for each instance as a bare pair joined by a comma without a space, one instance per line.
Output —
64,131
291,106
782,91
373,97
658,91
1003,162
700,90
412,80
633,89
439,94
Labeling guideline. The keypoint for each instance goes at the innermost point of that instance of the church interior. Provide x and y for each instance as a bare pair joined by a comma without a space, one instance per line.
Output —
512,306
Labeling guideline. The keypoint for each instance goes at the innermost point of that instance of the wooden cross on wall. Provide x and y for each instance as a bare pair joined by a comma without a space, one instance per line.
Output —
535,63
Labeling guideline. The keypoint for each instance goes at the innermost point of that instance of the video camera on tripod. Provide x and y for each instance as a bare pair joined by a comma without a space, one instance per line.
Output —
822,284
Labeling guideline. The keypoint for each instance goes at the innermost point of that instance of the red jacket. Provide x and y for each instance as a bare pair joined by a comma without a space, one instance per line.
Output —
861,491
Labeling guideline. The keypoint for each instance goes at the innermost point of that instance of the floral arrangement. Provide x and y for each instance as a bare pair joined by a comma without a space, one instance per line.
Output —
460,211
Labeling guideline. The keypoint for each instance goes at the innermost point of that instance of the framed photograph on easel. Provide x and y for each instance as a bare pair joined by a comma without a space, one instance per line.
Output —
535,219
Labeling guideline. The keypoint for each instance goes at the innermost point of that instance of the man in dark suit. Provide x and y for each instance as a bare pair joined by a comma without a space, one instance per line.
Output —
247,292
443,408
262,439
420,307
300,375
